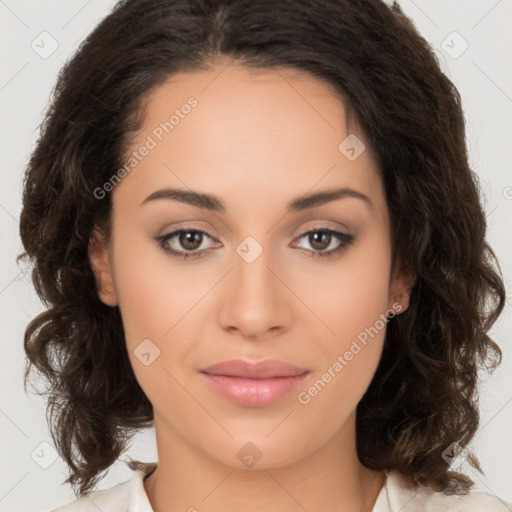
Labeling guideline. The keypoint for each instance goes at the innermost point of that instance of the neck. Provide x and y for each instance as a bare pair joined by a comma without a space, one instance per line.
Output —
331,478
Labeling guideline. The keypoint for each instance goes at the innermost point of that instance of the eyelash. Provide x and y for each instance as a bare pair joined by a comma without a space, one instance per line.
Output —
344,239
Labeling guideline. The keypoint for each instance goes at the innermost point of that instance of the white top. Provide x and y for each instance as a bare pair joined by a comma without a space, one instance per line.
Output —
394,496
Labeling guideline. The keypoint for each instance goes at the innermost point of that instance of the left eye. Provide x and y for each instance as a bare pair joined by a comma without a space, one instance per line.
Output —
191,240
321,239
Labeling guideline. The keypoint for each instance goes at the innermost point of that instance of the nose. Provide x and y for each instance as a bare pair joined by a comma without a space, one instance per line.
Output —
255,301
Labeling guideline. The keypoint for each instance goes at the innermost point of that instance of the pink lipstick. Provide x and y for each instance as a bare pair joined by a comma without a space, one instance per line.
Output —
254,384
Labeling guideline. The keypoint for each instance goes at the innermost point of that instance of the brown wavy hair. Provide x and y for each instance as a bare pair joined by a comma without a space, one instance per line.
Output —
424,394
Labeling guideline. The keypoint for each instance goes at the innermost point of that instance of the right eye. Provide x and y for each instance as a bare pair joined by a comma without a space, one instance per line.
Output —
190,241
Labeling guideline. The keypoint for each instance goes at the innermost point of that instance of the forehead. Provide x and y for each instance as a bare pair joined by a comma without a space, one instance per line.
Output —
274,133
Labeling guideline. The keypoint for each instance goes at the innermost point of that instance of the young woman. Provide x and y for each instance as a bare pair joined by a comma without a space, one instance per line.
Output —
255,228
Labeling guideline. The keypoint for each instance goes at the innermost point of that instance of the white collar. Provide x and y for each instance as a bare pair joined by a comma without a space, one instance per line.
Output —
396,495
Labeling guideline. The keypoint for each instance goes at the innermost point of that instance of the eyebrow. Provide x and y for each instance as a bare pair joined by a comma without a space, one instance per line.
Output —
212,203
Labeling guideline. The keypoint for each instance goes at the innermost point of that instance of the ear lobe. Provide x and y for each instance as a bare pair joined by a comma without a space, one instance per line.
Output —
401,290
98,253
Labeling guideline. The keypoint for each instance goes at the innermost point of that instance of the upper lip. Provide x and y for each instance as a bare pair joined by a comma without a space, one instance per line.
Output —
254,370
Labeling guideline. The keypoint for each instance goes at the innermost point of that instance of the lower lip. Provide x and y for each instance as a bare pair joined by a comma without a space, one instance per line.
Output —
253,392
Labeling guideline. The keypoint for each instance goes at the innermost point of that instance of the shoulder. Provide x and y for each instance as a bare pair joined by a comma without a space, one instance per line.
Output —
402,497
128,496
112,499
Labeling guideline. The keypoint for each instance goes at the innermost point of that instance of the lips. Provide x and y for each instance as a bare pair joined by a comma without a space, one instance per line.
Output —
254,370
254,384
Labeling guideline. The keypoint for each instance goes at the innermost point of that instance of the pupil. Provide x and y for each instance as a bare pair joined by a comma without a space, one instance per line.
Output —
187,239
315,239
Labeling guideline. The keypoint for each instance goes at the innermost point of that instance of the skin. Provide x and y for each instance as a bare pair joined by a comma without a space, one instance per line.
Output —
256,140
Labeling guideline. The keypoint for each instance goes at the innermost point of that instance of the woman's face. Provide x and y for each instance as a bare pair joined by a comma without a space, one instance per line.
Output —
265,280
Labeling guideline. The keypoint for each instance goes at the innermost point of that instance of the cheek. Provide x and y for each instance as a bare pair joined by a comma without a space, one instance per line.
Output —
352,304
154,294
156,303
352,295
161,302
354,310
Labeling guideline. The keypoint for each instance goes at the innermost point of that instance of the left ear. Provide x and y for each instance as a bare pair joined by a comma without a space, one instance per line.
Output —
400,289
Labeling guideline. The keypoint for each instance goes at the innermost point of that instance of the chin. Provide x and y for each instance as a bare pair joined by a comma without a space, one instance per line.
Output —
260,452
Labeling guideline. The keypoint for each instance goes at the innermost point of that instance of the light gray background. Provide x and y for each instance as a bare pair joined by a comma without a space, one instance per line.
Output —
483,76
